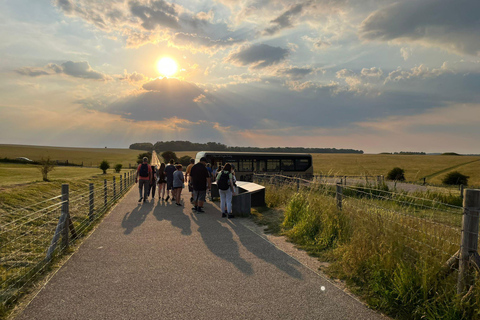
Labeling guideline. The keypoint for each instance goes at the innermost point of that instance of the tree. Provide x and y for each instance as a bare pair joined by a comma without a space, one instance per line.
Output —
46,165
185,160
455,178
143,155
118,167
397,174
104,165
168,155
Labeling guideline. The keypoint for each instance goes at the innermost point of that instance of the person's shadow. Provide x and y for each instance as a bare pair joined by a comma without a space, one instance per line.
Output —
136,217
177,219
263,250
228,249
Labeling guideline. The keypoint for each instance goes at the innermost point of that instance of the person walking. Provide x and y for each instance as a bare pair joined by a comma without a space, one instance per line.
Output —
188,179
153,183
178,184
162,181
143,178
226,189
201,182
169,170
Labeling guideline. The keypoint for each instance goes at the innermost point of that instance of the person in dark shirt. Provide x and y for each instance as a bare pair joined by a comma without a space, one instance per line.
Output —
169,170
201,181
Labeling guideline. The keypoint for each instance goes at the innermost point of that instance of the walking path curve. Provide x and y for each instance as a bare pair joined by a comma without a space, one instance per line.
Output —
155,260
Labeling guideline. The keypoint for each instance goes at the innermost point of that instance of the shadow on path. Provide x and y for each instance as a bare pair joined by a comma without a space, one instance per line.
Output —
228,250
136,217
166,211
261,250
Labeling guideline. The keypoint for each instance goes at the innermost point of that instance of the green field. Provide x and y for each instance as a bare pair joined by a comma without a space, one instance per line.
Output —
90,157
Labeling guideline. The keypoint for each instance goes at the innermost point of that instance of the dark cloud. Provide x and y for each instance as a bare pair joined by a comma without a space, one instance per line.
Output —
75,69
32,72
295,73
285,20
186,39
159,13
257,56
451,24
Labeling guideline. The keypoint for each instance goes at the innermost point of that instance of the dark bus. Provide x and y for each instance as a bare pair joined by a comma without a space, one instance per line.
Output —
247,163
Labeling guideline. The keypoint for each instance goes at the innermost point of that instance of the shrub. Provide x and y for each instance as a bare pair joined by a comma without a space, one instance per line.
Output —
168,155
185,160
396,174
104,165
142,155
46,165
118,167
455,178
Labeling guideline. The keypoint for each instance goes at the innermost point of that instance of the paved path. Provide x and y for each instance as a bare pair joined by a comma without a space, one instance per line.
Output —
160,261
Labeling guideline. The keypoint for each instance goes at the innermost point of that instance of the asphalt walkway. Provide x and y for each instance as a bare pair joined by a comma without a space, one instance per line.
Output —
156,260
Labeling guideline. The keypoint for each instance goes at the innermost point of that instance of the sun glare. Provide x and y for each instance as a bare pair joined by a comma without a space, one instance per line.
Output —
167,66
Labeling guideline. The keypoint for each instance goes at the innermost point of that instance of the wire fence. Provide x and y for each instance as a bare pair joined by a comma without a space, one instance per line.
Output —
430,232
36,235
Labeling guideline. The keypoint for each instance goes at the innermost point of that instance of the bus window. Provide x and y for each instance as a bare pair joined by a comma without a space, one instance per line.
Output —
261,166
301,164
288,165
234,165
245,165
273,165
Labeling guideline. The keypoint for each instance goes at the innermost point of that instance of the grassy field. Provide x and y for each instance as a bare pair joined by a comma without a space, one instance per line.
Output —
88,156
434,167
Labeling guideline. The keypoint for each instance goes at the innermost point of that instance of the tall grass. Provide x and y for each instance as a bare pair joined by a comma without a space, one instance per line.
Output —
393,259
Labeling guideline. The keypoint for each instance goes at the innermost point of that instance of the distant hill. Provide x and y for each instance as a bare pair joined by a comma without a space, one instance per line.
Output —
161,146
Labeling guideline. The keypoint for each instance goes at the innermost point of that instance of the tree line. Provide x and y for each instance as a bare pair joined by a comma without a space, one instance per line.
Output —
215,146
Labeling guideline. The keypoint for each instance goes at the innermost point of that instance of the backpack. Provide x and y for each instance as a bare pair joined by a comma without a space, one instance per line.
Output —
223,181
144,170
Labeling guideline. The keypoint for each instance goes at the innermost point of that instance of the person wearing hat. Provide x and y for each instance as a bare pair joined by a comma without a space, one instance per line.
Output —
143,177
200,178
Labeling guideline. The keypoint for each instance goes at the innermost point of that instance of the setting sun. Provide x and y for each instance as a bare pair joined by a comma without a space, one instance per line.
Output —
167,66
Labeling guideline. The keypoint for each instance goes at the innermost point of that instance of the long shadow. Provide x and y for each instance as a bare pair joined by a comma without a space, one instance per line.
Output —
177,219
264,251
228,249
136,217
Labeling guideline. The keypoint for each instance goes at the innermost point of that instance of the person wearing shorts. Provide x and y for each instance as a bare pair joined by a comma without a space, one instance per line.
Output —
201,182
169,170
178,184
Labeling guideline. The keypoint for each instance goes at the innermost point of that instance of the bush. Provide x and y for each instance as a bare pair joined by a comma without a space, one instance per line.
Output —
185,160
104,165
455,178
396,174
45,167
118,167
142,155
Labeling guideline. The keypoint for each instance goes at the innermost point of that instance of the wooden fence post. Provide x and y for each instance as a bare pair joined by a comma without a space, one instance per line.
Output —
339,195
469,244
125,181
65,208
461,191
298,184
105,200
114,188
91,206
121,184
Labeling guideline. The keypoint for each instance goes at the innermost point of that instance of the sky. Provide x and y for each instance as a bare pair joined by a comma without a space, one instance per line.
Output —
371,75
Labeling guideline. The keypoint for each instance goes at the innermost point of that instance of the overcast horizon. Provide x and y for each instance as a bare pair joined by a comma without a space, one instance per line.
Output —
377,76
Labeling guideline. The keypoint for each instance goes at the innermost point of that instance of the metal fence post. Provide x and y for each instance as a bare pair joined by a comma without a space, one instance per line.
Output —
469,244
105,200
298,184
125,181
65,208
121,184
339,196
114,188
90,211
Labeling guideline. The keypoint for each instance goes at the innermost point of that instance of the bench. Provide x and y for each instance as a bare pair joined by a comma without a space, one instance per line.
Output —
248,195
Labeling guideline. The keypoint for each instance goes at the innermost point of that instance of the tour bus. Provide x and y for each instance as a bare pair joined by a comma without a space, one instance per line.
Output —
247,163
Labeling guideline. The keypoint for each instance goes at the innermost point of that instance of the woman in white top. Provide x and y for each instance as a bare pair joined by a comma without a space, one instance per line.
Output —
225,188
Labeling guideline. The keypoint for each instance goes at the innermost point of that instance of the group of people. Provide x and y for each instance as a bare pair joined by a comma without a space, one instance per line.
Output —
170,178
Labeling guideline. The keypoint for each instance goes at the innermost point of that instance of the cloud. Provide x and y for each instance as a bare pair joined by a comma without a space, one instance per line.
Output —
132,77
79,69
195,43
420,71
257,56
295,72
285,20
453,25
157,13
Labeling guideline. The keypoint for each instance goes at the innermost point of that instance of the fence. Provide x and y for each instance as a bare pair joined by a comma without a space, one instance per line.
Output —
431,231
32,237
